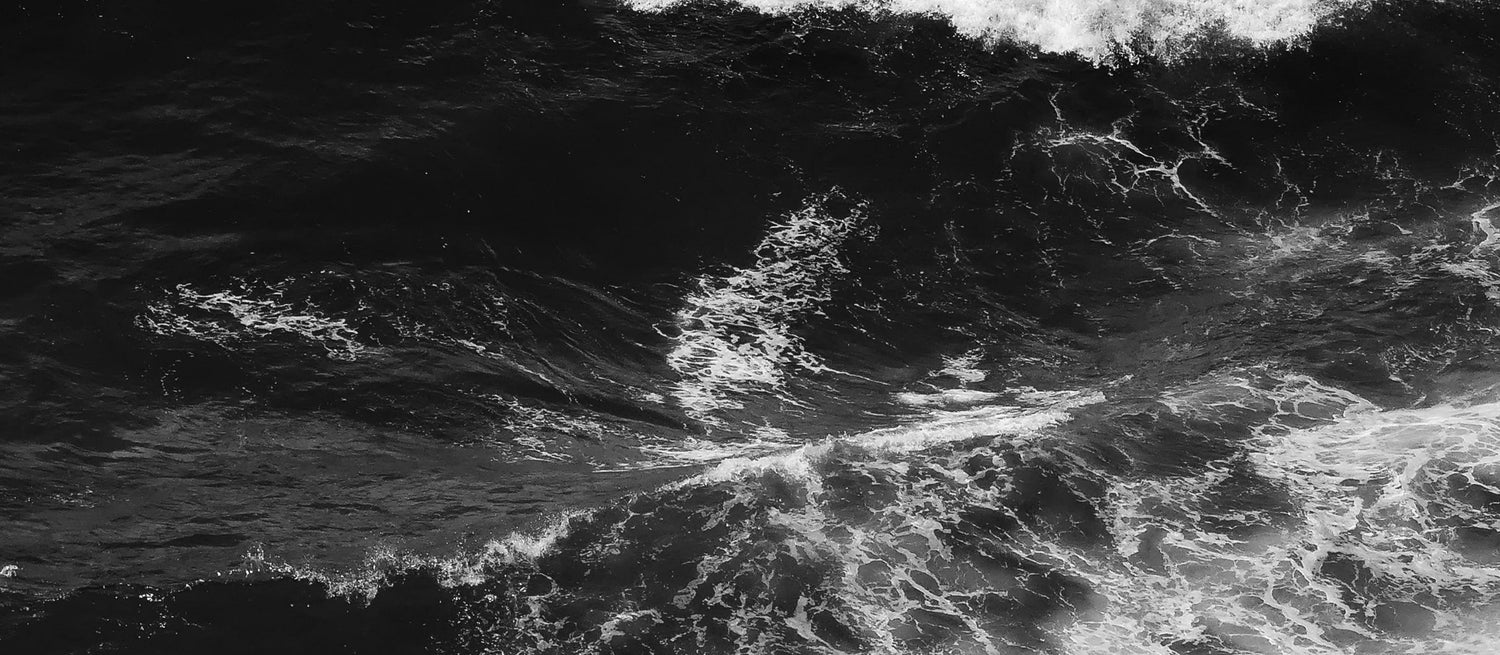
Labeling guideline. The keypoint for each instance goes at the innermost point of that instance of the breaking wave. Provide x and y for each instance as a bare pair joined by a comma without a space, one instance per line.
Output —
1097,30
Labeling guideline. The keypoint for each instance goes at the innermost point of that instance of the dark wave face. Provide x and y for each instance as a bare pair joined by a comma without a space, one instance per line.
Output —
772,326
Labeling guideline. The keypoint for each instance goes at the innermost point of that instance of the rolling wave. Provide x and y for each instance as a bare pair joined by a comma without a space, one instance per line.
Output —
803,326
1098,30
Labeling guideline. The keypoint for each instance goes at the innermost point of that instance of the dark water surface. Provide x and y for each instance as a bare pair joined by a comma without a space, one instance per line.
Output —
959,326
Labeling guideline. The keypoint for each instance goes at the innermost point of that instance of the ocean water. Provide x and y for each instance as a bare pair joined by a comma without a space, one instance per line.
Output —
755,326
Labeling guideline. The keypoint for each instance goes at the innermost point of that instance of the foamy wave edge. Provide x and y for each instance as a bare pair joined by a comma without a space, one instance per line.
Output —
1097,30
1046,410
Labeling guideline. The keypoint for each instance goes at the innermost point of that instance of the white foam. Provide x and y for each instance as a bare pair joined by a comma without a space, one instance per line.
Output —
523,546
735,331
944,397
1093,29
230,317
938,428
965,367
1485,224
692,451
1298,241
1365,483
1130,166
536,430
464,569
1480,272
903,533
1359,481
967,424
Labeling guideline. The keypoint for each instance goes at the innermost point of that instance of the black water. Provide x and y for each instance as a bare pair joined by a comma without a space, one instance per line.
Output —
576,327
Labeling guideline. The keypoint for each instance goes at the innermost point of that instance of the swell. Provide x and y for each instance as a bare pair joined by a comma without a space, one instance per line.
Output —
1154,231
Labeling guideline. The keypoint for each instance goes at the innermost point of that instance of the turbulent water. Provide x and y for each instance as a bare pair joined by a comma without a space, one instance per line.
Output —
771,326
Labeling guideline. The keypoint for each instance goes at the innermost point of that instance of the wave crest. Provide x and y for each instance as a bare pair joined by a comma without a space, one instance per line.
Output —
1094,29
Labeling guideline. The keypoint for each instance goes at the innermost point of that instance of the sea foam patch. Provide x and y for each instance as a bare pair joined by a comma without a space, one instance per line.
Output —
939,427
965,369
1371,550
1094,29
383,563
735,332
229,316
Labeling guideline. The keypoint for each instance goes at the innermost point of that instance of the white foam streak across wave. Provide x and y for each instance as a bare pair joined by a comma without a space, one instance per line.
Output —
939,428
1094,29
382,562
736,330
229,316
